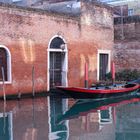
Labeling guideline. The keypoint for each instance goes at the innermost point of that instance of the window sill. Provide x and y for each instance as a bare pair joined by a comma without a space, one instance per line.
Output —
6,82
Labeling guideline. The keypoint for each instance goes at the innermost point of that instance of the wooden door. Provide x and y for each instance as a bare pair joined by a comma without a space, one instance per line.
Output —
103,69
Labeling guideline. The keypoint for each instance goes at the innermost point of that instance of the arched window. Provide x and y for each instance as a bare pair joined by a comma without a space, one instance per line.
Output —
57,43
5,64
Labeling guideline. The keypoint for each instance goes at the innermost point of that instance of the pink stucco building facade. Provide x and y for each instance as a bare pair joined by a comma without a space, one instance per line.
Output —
43,49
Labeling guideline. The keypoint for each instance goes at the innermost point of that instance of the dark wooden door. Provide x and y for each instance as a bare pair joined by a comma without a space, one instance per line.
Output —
55,69
103,66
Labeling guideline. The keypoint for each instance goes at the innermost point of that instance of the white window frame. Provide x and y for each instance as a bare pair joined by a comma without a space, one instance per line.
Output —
57,50
16,0
107,120
98,60
9,70
130,12
10,121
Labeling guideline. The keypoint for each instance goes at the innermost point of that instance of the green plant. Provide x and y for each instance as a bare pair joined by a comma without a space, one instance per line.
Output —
124,75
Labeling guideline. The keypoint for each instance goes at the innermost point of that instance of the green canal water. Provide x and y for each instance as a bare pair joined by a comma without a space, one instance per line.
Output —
61,118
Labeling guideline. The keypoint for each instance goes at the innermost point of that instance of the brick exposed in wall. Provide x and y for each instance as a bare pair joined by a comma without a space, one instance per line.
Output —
127,45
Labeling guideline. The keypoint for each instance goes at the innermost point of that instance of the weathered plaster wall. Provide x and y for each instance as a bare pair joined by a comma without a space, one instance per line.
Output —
27,34
95,34
94,13
127,45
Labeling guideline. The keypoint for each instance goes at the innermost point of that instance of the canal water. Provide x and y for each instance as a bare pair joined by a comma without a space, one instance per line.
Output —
62,118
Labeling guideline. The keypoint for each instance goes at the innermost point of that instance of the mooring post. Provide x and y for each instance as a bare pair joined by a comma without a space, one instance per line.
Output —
4,117
4,97
33,112
113,72
3,81
19,95
33,90
86,75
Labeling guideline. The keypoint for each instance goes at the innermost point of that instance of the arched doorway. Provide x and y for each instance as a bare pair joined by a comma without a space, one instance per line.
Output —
57,64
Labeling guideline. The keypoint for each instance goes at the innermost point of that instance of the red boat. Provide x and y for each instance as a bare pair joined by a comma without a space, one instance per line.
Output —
103,92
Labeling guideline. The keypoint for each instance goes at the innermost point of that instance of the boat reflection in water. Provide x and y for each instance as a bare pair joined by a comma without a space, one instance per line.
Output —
84,106
58,118
103,118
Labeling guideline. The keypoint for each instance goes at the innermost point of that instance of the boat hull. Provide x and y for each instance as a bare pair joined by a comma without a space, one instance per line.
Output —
99,93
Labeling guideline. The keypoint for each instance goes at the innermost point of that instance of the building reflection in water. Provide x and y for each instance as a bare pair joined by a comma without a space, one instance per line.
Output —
6,124
93,124
128,122
26,119
105,116
55,118
57,106
85,123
